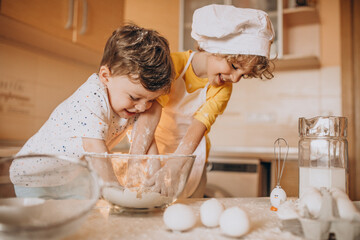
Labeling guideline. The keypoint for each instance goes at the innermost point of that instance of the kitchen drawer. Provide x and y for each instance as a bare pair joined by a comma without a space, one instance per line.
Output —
6,187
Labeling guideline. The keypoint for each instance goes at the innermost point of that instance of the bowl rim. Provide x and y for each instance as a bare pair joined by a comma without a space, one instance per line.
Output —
18,200
126,155
76,160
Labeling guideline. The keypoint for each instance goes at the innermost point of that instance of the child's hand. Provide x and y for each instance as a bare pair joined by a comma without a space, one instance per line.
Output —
153,165
170,178
140,170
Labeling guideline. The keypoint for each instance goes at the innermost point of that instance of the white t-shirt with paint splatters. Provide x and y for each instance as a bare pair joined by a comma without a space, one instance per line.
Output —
86,113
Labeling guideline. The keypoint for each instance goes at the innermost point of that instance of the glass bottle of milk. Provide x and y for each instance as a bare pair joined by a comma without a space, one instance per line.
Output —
323,159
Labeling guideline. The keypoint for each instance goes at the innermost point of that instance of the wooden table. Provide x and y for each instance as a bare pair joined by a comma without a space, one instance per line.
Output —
101,224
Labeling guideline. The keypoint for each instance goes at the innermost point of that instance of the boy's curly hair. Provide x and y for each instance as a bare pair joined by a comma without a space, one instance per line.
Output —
142,54
260,66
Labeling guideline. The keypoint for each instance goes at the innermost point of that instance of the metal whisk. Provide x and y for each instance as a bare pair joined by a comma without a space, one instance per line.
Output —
279,168
278,195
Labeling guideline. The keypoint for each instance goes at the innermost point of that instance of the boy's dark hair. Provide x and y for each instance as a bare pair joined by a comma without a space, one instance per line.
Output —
142,54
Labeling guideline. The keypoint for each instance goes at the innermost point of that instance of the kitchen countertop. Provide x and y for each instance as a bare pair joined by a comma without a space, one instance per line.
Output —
102,225
262,153
6,151
265,154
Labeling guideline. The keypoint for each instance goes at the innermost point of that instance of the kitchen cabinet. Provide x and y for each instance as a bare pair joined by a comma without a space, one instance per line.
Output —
6,188
85,22
248,173
252,168
299,37
297,29
48,16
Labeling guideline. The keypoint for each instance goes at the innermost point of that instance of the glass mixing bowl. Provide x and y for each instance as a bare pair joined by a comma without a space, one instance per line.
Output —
47,202
142,183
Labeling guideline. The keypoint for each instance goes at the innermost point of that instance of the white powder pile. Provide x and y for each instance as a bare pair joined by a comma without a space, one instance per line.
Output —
131,199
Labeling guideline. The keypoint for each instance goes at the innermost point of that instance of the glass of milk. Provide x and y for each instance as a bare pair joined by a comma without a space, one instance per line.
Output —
323,158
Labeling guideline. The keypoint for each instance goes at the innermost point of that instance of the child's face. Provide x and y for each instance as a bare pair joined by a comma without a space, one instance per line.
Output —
126,97
219,71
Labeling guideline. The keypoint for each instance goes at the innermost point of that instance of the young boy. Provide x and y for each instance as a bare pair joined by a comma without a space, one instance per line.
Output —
136,68
234,43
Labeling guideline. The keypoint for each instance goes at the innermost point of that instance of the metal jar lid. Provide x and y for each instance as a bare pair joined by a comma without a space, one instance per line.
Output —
329,126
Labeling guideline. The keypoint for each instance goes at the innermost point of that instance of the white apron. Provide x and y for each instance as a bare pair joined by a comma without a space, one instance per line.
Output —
175,120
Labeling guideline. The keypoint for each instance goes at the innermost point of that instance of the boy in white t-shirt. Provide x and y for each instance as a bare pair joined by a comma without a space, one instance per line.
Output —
136,68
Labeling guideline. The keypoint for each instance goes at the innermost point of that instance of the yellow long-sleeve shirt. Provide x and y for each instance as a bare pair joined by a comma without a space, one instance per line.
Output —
216,97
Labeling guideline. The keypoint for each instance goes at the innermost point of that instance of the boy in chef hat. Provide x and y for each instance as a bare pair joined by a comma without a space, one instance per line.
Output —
233,43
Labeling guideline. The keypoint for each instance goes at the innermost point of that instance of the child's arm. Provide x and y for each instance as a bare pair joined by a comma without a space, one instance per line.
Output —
103,168
153,150
144,129
192,138
187,146
143,141
94,145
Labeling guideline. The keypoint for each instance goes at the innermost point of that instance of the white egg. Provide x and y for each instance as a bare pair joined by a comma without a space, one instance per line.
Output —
210,212
312,199
346,208
277,196
308,190
337,192
234,222
179,217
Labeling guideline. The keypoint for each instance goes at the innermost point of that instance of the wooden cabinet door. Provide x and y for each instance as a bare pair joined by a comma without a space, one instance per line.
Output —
49,16
103,17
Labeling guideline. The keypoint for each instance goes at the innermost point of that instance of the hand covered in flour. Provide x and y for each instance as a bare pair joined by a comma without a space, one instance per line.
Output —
171,178
140,170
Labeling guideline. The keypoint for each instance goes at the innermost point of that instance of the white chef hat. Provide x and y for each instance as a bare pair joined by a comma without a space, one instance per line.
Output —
226,29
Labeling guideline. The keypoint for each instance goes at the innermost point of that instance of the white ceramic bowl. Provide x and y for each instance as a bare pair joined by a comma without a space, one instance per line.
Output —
144,183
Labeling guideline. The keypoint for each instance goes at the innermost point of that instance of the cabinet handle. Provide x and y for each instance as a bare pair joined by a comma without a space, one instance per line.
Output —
70,20
84,20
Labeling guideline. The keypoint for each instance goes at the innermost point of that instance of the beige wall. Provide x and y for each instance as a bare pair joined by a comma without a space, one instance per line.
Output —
329,11
161,15
32,84
261,111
